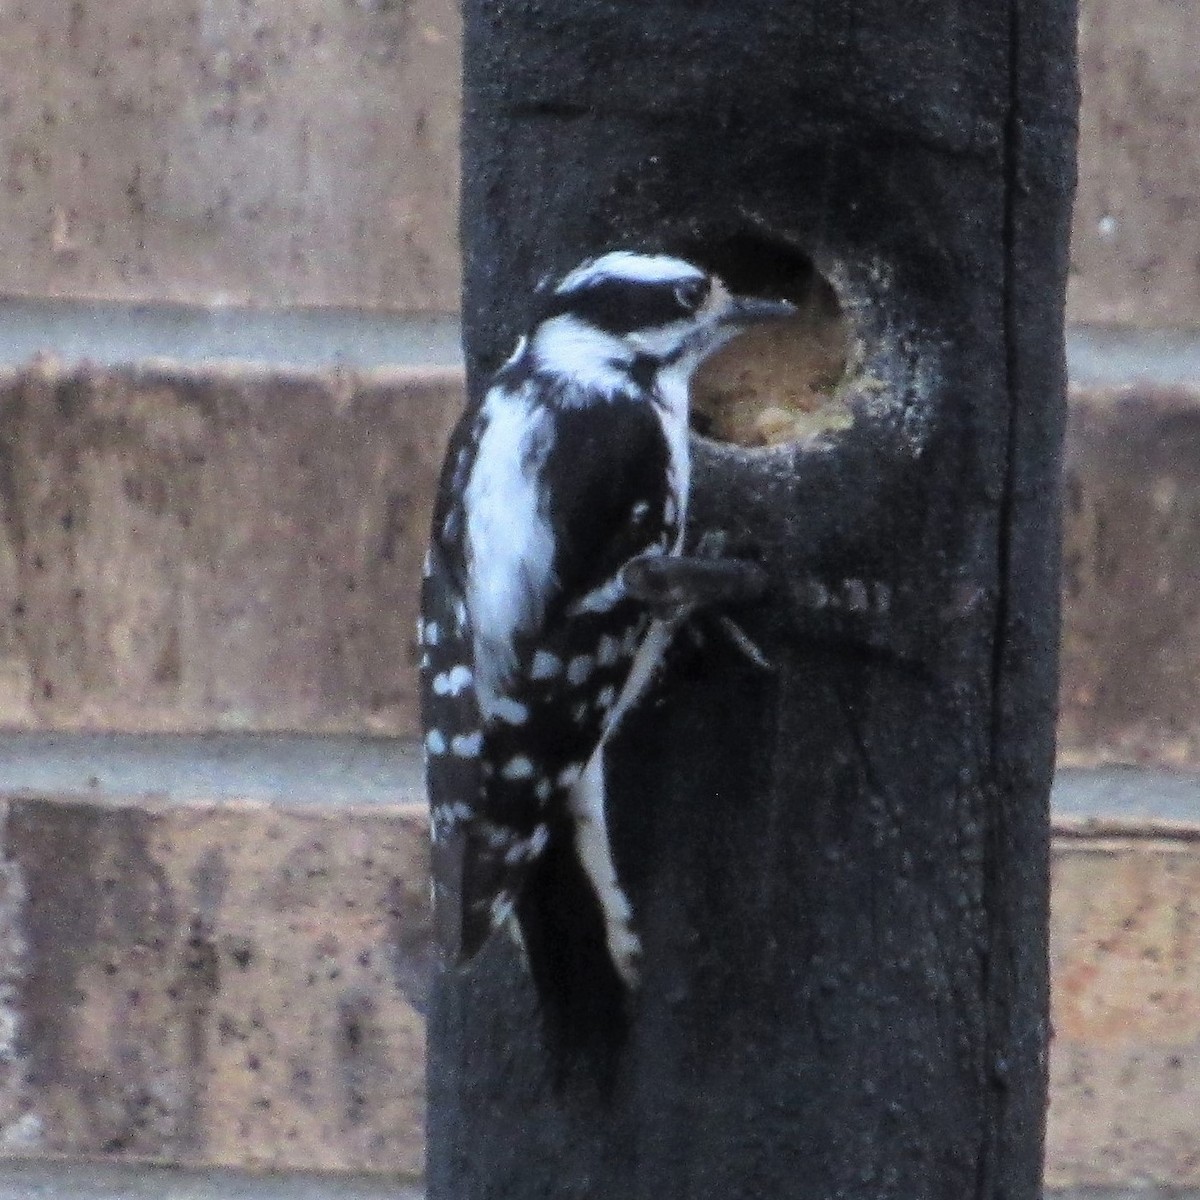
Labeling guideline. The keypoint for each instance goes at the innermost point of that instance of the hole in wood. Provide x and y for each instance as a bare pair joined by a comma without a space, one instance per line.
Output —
787,381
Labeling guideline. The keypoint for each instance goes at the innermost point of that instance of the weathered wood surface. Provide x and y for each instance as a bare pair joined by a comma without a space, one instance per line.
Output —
839,871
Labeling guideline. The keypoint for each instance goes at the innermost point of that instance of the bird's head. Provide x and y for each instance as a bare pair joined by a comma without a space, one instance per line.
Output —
642,313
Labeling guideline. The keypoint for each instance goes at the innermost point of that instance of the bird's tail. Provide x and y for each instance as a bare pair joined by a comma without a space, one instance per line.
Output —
585,1002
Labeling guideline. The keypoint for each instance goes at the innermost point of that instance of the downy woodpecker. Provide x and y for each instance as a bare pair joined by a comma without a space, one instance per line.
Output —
575,464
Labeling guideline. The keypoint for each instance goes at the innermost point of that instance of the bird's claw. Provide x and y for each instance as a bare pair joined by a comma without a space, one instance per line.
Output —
679,587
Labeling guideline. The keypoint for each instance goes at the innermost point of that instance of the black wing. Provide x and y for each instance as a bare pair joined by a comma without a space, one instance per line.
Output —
497,788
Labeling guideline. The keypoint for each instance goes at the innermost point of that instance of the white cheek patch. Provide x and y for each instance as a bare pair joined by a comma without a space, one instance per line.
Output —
663,341
594,361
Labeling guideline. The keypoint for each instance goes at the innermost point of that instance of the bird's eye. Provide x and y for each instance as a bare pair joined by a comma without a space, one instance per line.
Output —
691,294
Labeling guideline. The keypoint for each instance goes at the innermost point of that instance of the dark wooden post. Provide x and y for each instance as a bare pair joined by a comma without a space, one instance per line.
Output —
839,869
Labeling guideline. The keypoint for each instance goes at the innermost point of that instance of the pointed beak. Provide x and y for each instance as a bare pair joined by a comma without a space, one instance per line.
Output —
752,310
738,313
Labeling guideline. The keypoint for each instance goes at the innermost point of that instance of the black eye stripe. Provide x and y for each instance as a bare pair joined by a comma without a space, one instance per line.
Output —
623,305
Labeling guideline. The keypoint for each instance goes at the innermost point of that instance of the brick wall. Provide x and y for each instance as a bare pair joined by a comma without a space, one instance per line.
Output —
196,539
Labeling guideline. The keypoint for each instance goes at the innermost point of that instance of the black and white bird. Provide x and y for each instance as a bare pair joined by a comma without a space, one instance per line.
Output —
575,464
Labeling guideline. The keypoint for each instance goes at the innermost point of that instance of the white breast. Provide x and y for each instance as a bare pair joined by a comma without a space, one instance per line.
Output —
510,548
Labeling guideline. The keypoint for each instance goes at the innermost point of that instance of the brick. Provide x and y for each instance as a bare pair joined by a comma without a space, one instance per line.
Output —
1131,634
74,1180
296,152
239,984
224,548
214,549
214,986
1136,242
281,152
1125,1060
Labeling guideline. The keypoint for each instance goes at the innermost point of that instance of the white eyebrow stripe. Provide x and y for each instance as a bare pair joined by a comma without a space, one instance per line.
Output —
625,264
